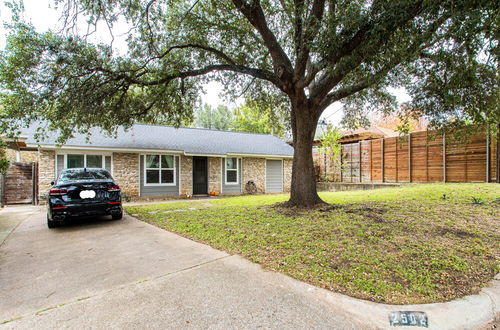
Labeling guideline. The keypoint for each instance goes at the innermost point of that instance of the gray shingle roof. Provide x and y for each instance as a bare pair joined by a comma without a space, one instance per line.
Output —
187,140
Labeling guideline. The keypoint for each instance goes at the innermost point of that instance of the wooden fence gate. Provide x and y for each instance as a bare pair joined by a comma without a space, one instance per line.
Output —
20,184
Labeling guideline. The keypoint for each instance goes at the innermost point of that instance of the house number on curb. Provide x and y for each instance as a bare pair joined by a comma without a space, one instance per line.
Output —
416,319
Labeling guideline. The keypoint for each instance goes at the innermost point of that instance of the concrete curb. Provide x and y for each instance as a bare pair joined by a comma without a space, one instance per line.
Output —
470,312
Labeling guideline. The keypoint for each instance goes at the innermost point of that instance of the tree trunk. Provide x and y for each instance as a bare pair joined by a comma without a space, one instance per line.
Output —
303,190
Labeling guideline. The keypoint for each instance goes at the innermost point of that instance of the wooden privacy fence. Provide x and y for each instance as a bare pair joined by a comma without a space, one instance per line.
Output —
20,184
420,157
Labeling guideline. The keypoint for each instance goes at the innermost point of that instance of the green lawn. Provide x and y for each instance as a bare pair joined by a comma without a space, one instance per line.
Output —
394,245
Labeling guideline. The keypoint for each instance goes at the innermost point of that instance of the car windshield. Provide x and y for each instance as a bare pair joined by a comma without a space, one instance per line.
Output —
84,174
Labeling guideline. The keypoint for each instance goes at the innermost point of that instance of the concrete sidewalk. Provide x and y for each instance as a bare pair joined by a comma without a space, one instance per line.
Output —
129,274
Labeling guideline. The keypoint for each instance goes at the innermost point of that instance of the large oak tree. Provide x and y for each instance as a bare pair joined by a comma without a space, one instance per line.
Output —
307,53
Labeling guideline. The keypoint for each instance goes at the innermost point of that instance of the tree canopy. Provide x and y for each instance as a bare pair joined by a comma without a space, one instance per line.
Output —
214,118
308,54
252,117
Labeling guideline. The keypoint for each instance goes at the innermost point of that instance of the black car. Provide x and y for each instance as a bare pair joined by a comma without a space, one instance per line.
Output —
80,192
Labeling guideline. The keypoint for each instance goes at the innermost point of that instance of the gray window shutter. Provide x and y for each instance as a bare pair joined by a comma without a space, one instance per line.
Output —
60,165
107,163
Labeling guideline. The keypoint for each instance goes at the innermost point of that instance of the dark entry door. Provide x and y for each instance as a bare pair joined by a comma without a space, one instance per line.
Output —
200,175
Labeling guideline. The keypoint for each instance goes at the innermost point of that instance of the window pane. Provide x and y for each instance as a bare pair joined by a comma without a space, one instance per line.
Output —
152,176
231,176
94,161
75,161
167,176
152,161
167,161
231,163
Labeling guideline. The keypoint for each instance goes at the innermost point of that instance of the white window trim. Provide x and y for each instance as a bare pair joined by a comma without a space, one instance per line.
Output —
237,171
84,159
78,152
159,169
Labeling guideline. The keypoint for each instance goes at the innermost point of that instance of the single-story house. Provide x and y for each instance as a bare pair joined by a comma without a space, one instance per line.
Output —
155,160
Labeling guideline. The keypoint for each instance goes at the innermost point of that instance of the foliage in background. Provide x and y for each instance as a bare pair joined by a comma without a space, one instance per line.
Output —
404,121
255,117
4,161
330,150
213,118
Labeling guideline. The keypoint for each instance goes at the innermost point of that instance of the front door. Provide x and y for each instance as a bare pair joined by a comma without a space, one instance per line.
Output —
200,175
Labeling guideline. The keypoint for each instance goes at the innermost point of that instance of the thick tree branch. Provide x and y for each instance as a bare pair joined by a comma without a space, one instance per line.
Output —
330,80
414,49
220,54
350,90
257,73
254,14
308,35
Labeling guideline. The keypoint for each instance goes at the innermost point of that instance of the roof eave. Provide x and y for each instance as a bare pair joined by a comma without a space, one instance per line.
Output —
146,150
233,154
97,148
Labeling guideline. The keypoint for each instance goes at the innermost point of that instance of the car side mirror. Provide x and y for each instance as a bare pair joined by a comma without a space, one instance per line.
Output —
52,183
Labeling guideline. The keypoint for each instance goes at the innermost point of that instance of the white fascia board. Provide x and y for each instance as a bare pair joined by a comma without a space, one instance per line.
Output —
259,155
112,149
20,138
202,155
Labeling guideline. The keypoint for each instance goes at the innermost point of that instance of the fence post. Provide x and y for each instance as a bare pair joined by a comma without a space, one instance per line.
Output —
341,163
444,157
498,155
360,159
396,157
426,156
371,160
465,161
1,191
487,156
350,159
409,157
382,158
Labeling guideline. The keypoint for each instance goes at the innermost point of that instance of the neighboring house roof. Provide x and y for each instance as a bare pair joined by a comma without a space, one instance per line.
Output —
183,140
372,132
375,130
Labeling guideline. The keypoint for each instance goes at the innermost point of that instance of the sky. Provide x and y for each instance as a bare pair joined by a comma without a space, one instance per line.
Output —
44,16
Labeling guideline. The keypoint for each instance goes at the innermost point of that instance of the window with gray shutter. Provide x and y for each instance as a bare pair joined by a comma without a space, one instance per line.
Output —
60,165
107,163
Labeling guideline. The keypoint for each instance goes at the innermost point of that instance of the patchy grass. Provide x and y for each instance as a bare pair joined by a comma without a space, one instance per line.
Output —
396,245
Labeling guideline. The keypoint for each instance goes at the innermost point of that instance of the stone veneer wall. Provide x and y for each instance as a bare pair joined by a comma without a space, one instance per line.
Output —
214,174
46,170
186,175
27,156
10,154
126,172
287,174
254,169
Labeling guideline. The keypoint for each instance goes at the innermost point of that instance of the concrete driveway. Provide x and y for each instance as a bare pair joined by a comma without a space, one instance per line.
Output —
128,274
